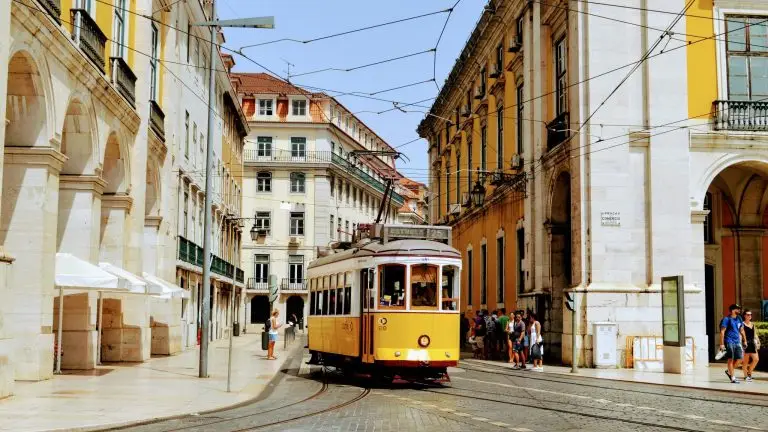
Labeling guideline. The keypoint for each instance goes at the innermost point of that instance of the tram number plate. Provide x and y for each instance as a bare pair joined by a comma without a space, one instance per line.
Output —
382,324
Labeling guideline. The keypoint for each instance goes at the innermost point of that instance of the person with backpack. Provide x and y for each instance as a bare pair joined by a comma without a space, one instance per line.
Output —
732,337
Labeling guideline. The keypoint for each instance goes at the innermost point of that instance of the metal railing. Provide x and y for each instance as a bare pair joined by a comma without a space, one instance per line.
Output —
291,284
239,275
88,36
750,116
157,120
257,284
54,9
124,79
558,130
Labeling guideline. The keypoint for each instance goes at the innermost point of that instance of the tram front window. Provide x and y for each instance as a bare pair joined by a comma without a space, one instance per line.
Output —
424,286
450,288
392,286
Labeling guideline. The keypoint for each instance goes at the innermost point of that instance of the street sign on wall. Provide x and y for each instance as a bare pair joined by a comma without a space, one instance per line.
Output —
610,218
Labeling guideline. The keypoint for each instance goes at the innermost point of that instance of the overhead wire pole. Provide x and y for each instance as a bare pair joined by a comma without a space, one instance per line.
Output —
214,24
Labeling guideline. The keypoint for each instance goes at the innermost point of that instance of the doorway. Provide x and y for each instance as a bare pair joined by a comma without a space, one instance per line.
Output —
259,309
712,330
294,305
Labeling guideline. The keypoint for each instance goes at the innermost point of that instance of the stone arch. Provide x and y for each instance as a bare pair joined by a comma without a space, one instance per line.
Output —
152,200
560,257
708,176
115,171
79,138
27,111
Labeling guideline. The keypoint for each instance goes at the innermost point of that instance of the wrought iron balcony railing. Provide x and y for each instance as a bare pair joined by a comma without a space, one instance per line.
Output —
292,284
749,116
124,79
257,284
558,130
54,9
157,120
88,36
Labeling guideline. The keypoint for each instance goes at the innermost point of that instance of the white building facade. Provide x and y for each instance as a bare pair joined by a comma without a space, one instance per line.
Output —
303,187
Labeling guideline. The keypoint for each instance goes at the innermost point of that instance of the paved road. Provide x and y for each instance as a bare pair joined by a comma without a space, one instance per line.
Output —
479,398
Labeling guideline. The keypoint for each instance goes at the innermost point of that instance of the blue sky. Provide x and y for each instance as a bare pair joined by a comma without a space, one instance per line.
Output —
305,19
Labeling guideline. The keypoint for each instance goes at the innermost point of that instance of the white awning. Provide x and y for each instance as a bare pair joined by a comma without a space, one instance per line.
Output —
160,288
126,279
74,273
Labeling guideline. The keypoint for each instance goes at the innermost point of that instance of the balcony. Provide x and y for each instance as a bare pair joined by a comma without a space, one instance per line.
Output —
157,120
88,36
124,79
190,253
257,284
54,9
558,130
747,116
293,285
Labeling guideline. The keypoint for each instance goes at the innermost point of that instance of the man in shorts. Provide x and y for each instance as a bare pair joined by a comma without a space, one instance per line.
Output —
732,338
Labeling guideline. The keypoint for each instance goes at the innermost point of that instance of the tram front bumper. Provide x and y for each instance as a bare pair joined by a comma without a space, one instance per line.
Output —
417,357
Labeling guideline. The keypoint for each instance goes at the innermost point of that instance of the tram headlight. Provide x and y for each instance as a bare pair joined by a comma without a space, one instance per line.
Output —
397,353
424,341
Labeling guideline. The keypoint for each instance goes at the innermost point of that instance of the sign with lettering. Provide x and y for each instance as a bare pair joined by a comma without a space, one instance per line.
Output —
610,218
417,232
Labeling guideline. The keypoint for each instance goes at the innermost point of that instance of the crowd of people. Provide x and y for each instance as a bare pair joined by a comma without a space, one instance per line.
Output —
515,338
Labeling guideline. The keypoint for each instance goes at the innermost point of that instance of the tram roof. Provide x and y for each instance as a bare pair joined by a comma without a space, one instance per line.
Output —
393,248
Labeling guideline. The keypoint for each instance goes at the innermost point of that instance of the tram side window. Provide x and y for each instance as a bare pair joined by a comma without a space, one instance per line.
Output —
450,288
424,286
392,286
332,301
318,302
339,301
364,286
312,296
348,295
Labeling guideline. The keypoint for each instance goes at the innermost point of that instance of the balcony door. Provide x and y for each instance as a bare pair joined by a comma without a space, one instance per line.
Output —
295,272
747,50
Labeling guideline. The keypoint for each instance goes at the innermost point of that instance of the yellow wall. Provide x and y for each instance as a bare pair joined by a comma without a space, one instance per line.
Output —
702,59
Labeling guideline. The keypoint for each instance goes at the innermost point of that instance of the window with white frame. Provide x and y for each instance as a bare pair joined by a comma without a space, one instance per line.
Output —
261,269
747,51
299,107
561,85
118,28
264,182
265,107
153,59
263,222
297,182
186,134
264,146
295,270
297,223
298,147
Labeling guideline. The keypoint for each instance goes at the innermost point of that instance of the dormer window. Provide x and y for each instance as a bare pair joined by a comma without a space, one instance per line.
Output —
299,108
265,107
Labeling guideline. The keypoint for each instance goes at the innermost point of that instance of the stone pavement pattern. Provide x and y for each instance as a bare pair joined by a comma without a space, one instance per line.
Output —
483,398
162,387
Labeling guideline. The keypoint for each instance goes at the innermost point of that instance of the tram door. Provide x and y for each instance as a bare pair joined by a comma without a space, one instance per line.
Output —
367,298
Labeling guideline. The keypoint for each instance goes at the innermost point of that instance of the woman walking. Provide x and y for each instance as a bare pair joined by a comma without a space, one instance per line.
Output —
753,344
536,343
273,326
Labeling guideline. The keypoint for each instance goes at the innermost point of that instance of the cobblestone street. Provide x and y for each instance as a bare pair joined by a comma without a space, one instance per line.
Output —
479,398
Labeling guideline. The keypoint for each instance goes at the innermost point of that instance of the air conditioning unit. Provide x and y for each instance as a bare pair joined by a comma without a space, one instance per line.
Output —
495,71
466,111
293,240
454,209
515,45
517,161
466,199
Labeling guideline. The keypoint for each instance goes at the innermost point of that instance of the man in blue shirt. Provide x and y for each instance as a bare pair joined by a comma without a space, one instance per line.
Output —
732,338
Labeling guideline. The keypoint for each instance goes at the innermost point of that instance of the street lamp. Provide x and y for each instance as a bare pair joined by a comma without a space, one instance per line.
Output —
254,232
214,24
478,194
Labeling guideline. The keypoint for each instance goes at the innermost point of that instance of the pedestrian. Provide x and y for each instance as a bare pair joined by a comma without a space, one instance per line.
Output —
517,331
464,328
503,335
732,337
753,344
273,326
480,331
536,342
490,334
526,342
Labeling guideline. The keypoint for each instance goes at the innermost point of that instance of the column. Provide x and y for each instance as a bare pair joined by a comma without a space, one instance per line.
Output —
29,220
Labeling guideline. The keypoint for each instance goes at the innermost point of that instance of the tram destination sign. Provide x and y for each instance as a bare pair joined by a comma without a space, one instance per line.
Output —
434,233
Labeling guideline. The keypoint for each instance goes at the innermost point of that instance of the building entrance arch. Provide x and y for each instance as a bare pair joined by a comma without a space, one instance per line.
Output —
560,268
294,305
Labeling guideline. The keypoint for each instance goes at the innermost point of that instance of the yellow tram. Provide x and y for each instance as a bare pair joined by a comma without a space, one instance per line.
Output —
387,305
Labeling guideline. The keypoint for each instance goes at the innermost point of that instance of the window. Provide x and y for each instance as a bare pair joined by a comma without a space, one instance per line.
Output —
708,231
118,29
297,223
297,182
483,275
437,142
194,140
483,72
333,185
520,258
470,277
450,289
263,221
561,85
186,210
202,146
186,134
458,178
484,148
500,137
295,271
265,107
346,230
469,165
298,147
423,286
299,107
500,270
520,29
264,182
261,269
326,297
747,51
264,146
520,105
448,188
338,229
331,293
392,286
153,64
347,192
439,193
190,41
330,232
312,297
500,59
